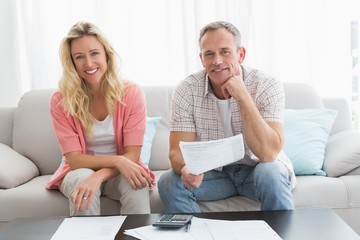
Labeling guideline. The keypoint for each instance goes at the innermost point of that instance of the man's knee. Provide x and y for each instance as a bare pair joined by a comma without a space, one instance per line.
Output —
168,183
271,172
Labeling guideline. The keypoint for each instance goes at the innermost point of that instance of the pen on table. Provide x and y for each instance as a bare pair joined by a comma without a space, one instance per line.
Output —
188,226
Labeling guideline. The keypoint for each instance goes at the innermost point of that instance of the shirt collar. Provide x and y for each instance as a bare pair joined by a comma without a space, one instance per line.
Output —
207,89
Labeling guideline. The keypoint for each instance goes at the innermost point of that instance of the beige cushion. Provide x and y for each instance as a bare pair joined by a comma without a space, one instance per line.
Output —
15,169
342,153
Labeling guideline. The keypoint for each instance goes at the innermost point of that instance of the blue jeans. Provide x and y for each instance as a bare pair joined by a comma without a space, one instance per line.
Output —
266,182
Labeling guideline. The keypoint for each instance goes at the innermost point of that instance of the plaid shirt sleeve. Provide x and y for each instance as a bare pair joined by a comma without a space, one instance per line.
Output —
270,99
181,114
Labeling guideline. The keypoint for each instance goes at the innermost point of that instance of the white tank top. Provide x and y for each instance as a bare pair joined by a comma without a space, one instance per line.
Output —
103,143
225,116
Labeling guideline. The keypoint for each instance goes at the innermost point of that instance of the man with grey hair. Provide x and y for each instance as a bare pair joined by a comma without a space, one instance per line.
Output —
225,99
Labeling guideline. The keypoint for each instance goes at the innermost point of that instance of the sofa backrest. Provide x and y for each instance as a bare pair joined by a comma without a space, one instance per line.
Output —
6,125
301,95
33,135
343,119
158,105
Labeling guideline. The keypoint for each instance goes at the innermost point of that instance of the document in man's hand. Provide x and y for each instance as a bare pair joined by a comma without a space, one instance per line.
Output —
203,156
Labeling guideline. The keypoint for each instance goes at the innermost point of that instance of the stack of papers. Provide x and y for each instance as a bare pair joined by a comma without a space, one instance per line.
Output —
205,229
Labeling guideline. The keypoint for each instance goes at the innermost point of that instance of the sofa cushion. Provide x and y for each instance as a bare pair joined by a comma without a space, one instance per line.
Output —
151,125
342,153
320,191
306,135
15,169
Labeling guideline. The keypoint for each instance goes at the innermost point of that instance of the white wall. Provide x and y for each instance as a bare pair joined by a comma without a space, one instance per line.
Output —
294,40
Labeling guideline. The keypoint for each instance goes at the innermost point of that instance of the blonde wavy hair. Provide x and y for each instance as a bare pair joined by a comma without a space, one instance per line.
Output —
77,97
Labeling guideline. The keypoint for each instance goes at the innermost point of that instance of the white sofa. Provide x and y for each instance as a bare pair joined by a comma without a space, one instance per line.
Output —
29,154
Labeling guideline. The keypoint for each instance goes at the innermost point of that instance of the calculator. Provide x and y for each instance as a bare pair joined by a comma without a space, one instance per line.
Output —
172,220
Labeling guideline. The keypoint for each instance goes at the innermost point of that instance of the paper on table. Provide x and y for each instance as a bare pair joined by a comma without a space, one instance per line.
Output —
205,229
240,229
203,156
89,228
155,233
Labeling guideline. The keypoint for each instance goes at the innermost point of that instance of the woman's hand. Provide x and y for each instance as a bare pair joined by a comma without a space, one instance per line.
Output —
84,193
134,173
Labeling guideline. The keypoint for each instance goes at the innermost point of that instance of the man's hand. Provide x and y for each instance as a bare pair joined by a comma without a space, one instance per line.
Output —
190,180
233,87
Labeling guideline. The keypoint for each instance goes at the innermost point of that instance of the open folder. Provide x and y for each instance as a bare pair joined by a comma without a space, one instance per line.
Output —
203,156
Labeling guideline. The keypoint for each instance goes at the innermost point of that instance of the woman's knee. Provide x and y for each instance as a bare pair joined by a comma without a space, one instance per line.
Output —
74,178
78,175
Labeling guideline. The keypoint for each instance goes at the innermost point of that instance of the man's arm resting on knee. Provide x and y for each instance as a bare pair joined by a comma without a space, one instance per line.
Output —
177,160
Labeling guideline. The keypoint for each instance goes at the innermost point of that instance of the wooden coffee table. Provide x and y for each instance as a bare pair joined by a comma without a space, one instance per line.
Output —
290,225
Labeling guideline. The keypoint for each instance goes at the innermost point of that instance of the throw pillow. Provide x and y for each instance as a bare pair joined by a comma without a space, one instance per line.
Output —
151,125
342,153
306,134
15,169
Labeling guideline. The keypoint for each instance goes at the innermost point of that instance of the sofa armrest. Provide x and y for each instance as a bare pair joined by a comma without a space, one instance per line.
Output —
15,169
342,153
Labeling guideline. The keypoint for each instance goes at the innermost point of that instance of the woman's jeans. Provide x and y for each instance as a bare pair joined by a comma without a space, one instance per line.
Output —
266,182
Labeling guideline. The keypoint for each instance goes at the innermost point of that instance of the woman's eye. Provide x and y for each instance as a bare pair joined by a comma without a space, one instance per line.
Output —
94,53
78,57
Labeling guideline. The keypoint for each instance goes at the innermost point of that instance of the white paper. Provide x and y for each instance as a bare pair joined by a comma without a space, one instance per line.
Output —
155,233
209,229
203,156
89,228
239,229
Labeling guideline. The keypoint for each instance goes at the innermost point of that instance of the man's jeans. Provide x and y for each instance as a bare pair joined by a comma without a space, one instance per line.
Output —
266,182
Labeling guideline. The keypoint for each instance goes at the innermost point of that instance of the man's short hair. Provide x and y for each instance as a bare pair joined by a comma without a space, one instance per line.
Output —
222,24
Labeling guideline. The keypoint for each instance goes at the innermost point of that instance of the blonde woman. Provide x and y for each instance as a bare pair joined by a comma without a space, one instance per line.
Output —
99,120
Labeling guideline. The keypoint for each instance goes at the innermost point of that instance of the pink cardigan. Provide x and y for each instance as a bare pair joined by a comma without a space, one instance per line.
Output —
129,119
